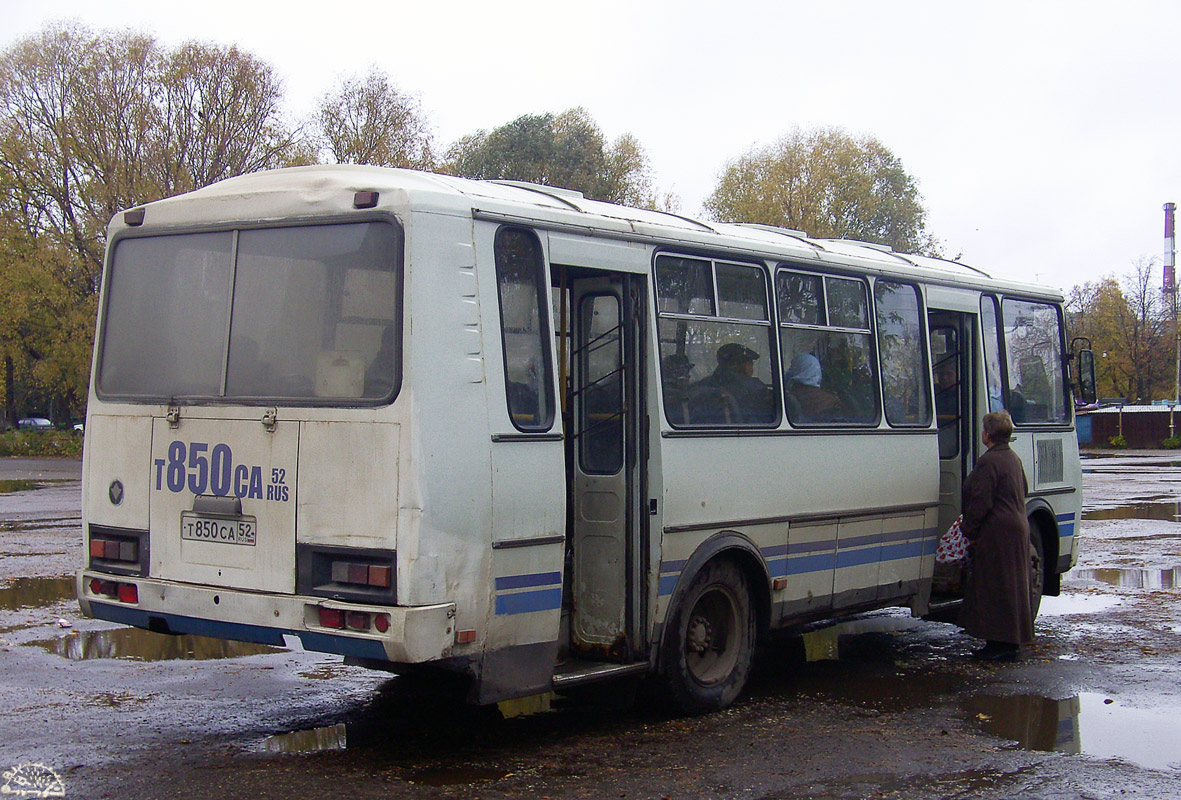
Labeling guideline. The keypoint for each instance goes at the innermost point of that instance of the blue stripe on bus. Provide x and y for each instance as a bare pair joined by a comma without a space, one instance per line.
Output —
528,602
1065,525
826,555
525,581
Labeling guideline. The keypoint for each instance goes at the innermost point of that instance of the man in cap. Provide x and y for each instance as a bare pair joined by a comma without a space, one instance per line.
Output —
734,377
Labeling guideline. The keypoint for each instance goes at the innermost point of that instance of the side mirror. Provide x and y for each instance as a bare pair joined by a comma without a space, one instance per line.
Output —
1085,388
1086,376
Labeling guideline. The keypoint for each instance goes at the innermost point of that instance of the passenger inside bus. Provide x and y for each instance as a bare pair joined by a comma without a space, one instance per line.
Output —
675,371
731,394
807,401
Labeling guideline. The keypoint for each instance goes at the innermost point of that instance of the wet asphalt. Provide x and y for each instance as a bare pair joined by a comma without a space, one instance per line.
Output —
879,706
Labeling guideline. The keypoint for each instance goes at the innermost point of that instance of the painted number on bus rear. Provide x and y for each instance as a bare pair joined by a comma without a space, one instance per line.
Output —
203,469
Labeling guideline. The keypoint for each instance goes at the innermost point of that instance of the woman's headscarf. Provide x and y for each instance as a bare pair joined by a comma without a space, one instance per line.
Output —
804,370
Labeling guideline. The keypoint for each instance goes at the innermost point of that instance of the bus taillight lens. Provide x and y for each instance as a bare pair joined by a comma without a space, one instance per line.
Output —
358,621
128,593
382,623
331,618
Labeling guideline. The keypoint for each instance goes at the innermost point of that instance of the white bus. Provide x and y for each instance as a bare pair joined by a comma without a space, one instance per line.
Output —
506,431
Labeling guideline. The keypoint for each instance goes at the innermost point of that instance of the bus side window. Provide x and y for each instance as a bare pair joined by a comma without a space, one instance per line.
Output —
905,379
715,343
826,347
525,336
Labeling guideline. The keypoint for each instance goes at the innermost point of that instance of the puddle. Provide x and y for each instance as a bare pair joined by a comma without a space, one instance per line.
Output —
1067,604
35,592
134,644
1089,724
824,644
1133,578
456,776
6,487
1168,512
314,740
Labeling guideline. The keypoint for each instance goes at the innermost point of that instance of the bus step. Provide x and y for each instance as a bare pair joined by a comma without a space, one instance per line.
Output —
573,672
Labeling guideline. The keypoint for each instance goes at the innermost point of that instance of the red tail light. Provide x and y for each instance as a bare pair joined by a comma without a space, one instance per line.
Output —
358,621
382,623
331,618
128,593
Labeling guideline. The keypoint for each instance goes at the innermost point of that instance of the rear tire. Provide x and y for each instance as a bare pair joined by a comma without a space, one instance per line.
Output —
709,644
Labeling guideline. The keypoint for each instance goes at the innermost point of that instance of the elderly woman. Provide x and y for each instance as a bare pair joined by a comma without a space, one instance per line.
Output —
997,604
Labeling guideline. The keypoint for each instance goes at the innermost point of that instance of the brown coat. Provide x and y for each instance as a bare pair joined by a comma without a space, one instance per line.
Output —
996,592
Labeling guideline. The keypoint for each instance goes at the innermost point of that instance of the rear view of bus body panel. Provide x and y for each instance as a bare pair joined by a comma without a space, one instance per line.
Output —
307,496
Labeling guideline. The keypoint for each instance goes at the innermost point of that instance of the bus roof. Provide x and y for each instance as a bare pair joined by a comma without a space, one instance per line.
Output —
295,192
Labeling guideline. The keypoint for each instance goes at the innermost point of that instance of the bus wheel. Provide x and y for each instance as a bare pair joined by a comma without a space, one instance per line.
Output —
710,642
1037,568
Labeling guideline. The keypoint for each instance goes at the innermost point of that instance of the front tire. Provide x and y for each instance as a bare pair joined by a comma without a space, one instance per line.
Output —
709,644
1037,569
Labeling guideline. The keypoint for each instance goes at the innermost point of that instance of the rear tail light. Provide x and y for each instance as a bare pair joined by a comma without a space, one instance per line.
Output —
123,592
331,618
118,550
382,623
358,621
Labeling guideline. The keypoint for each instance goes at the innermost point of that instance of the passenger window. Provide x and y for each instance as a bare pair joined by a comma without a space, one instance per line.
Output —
1033,344
715,368
826,348
525,337
906,390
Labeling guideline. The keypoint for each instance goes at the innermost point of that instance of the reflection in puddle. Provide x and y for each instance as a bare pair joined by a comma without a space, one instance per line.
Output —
824,644
1133,578
1066,604
456,776
17,486
35,592
1167,512
140,645
1090,724
315,740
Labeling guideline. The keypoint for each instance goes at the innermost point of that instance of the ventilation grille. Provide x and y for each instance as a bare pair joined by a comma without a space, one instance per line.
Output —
1049,461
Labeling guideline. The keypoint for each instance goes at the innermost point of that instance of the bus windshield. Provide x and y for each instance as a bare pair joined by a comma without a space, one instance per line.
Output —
305,314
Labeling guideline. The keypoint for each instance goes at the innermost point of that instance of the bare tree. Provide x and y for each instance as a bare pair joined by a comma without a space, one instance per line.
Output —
368,121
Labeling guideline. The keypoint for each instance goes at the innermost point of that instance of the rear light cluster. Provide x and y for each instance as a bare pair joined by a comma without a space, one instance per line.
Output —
353,620
122,551
125,550
353,573
350,574
123,592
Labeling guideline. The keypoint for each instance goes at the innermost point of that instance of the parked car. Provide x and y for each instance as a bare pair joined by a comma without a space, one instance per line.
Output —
34,424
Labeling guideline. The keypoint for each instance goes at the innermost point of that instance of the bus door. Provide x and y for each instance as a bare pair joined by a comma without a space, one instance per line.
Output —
605,469
952,366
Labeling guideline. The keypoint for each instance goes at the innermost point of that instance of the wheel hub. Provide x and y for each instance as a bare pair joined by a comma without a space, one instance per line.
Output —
700,635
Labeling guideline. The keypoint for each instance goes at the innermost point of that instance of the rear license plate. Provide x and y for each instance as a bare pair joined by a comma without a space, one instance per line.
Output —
226,530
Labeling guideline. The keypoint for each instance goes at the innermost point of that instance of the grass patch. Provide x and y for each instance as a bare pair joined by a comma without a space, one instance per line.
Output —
41,444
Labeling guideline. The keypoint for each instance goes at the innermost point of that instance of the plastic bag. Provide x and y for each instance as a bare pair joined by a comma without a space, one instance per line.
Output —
954,548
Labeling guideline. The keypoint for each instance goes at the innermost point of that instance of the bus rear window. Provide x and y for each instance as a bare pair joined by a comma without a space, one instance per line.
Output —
305,314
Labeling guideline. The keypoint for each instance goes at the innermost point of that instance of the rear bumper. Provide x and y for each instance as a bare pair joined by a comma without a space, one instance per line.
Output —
417,634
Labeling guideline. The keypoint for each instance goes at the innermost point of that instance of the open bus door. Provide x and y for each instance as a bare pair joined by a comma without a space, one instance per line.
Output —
952,336
605,467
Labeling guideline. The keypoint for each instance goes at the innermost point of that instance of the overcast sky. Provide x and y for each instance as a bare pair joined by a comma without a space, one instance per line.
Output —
1042,134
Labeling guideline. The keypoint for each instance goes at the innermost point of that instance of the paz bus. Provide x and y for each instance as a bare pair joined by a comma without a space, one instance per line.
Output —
503,430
